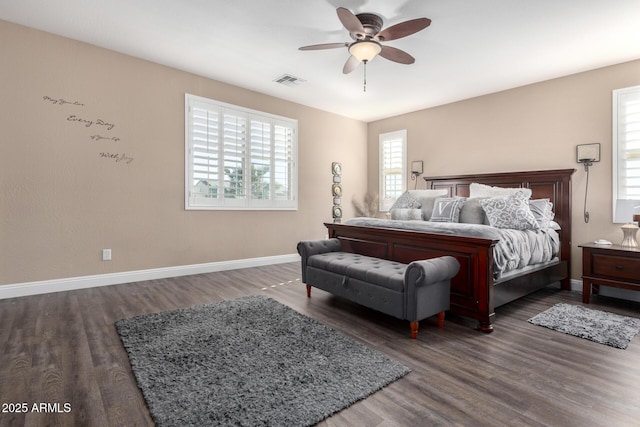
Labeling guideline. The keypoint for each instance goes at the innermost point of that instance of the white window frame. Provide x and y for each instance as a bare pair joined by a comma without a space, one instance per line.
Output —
626,144
386,140
253,147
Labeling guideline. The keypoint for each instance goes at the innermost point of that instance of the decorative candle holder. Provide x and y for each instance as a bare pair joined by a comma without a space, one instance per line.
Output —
336,191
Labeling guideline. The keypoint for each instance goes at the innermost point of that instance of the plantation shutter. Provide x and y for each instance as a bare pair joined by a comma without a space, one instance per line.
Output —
234,152
392,167
237,158
627,134
261,168
205,152
283,161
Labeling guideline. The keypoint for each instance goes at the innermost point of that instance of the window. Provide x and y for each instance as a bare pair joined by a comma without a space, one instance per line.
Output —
238,158
626,144
393,171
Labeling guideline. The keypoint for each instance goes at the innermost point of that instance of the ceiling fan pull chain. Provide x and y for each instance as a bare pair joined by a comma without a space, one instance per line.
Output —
365,75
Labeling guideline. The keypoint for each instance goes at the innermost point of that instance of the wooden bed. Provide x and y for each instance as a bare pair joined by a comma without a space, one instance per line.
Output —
474,293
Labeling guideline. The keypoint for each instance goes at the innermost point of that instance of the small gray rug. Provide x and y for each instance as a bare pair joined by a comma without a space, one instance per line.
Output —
250,361
599,326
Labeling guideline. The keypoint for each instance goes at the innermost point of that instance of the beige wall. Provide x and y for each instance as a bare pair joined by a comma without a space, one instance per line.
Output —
528,128
61,203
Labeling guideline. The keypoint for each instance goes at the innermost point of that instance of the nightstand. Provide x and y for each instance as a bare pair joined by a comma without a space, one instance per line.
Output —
609,265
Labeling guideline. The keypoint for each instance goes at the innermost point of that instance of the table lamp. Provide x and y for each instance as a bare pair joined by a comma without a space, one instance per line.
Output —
627,211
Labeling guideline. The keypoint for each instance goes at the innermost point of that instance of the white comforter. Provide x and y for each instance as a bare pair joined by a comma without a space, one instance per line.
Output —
515,248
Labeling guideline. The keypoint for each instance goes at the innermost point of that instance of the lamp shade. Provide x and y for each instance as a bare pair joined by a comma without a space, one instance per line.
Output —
365,50
625,209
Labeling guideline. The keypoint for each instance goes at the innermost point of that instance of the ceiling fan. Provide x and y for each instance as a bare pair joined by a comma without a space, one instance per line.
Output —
365,30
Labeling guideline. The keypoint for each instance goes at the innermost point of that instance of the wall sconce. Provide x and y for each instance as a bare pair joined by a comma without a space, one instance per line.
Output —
587,154
416,171
628,210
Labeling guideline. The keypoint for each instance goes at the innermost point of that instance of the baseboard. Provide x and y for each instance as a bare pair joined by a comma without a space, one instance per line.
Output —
72,283
576,285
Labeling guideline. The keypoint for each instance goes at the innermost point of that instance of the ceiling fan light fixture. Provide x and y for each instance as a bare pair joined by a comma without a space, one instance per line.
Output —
365,50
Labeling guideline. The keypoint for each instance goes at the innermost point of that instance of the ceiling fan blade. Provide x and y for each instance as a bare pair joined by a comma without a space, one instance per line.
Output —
323,46
403,29
396,55
350,22
351,64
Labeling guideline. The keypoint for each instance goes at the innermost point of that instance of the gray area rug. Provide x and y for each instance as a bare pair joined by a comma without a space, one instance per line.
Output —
250,361
599,326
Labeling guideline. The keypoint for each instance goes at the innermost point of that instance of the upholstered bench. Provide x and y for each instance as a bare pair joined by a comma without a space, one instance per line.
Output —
410,292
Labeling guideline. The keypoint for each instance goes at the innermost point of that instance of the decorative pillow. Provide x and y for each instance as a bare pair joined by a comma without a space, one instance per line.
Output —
472,212
419,194
406,214
482,190
542,210
510,211
427,198
447,209
406,201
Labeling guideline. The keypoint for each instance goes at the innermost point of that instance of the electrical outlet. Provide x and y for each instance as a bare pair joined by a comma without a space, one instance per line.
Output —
106,254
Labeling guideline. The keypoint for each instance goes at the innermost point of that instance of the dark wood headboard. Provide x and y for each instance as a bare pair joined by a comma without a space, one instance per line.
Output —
554,185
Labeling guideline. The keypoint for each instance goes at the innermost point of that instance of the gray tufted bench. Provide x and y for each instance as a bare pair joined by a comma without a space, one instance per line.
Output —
411,292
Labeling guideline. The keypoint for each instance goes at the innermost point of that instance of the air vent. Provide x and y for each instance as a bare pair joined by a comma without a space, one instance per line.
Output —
289,80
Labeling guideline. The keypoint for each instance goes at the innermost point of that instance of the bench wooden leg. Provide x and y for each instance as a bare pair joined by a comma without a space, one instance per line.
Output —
414,325
308,291
414,330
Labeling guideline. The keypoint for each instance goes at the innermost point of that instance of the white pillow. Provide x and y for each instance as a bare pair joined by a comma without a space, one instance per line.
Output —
427,193
482,190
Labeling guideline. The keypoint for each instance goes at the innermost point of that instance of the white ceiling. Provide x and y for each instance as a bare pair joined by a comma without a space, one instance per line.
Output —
473,47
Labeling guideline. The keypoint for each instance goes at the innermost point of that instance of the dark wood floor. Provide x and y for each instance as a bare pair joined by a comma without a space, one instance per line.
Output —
63,348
